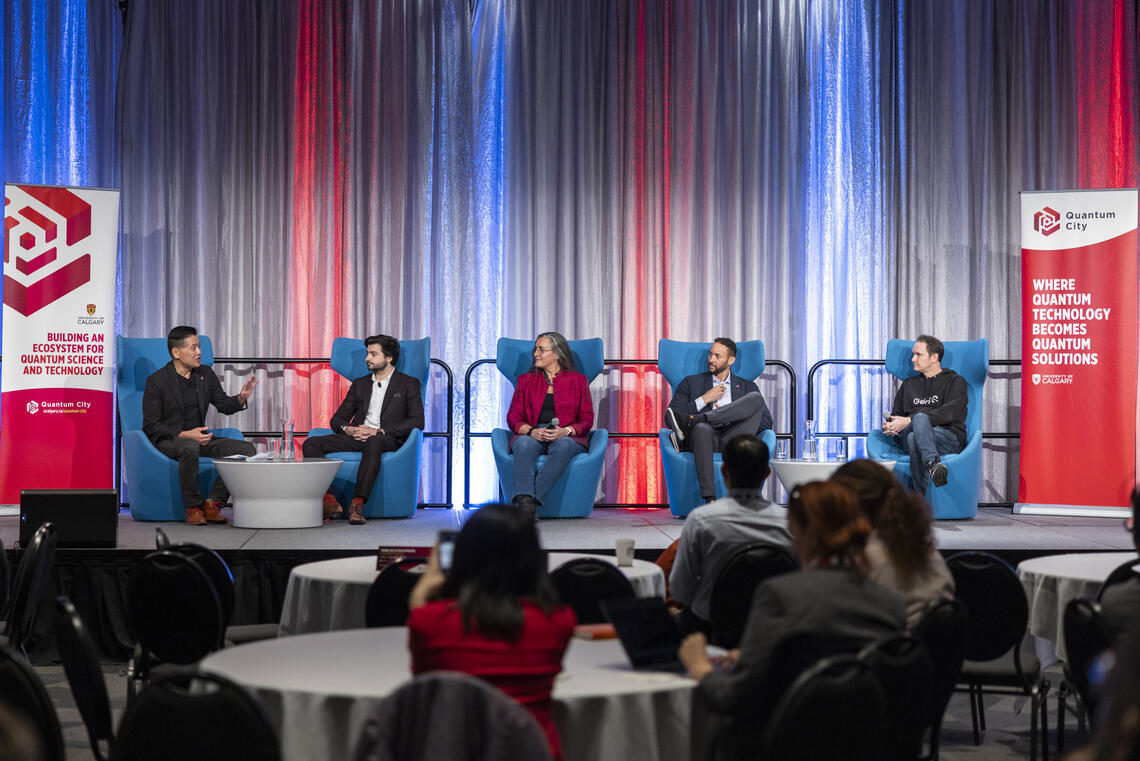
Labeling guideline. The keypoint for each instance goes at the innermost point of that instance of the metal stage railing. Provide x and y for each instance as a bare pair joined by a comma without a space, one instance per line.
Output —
468,435
863,434
447,434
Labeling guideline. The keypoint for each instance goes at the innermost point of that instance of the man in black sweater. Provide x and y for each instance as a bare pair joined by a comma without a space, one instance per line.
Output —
928,418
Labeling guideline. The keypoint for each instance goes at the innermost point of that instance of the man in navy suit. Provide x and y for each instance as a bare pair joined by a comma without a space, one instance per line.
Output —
710,408
377,415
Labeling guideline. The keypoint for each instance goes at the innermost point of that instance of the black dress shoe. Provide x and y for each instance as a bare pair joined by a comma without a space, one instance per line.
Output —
525,502
938,474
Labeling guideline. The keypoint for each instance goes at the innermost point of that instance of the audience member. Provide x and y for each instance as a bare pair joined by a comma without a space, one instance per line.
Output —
1120,604
494,614
900,552
797,618
713,531
1118,728
551,413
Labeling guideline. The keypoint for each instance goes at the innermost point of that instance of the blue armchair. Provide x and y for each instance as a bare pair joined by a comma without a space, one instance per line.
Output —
676,360
959,497
573,494
150,476
395,493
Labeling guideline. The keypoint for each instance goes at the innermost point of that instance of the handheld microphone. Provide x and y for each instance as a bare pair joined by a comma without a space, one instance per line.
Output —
553,423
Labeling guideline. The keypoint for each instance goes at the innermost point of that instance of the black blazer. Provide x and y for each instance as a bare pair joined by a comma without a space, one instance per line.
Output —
795,619
162,400
684,401
401,413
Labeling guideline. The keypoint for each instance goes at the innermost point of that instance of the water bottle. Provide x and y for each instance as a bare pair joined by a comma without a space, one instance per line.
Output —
811,449
287,453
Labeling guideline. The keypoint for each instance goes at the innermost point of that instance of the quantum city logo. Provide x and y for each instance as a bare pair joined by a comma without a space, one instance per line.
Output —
33,408
42,257
1047,221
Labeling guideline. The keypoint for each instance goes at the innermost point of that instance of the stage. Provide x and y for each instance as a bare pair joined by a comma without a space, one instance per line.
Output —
261,559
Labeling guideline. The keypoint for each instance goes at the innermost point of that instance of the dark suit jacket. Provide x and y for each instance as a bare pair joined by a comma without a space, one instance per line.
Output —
401,413
162,400
684,401
796,619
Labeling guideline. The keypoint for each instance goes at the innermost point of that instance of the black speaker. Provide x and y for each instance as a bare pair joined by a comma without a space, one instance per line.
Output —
82,517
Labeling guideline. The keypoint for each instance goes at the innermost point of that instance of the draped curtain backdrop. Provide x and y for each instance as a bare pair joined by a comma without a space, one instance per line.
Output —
822,175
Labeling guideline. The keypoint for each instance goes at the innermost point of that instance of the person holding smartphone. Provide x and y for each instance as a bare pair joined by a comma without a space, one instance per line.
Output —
551,412
494,613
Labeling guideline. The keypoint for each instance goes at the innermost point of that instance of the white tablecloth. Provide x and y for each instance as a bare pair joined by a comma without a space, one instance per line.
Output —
792,473
319,690
1051,581
330,594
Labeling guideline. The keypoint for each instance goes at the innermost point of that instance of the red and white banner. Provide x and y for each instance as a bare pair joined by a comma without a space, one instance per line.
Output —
57,393
1078,352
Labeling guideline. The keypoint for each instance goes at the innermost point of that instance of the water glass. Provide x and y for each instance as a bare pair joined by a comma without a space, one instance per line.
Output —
274,449
839,448
783,446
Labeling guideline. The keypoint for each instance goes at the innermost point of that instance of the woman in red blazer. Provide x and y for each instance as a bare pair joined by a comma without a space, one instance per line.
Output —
496,616
551,413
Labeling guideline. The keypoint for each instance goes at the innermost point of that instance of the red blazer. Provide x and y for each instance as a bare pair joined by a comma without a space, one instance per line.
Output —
524,669
572,403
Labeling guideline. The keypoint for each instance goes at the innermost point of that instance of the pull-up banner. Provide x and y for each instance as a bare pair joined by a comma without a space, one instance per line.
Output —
57,387
1078,352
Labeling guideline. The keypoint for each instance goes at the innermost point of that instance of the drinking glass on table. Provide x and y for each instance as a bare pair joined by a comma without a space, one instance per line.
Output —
782,449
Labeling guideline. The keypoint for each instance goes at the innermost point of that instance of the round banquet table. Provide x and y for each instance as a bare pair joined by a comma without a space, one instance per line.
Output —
331,594
320,689
1051,581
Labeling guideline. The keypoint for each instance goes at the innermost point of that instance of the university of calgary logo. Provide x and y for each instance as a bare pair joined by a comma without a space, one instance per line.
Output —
1047,221
91,309
44,258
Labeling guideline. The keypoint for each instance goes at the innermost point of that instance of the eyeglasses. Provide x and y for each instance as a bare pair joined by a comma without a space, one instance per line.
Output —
540,350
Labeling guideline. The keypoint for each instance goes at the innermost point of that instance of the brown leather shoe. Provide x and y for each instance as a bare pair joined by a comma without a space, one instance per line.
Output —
213,510
194,517
356,511
330,507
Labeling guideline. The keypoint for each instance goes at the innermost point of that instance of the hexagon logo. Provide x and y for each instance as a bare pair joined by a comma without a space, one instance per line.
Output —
1047,221
44,258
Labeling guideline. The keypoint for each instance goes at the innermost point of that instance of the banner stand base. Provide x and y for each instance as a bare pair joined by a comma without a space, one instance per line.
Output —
1073,511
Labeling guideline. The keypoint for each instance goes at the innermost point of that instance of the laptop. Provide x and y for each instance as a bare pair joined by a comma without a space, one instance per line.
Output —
647,631
82,517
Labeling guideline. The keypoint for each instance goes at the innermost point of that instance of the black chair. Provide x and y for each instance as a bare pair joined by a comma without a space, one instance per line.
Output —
387,603
1119,575
943,629
1085,641
999,617
583,584
22,690
161,540
31,581
222,578
836,709
482,721
742,571
191,717
174,612
5,581
85,675
906,674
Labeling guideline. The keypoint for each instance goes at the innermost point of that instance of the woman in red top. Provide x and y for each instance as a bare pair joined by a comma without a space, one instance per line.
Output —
496,616
551,413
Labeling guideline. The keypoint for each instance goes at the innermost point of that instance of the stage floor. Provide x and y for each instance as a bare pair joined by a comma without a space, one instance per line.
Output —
651,530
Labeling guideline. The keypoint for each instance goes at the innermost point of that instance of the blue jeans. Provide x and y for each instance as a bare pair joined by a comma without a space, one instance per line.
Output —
558,455
925,443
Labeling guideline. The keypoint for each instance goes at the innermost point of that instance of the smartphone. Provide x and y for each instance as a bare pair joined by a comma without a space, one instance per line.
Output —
206,432
446,544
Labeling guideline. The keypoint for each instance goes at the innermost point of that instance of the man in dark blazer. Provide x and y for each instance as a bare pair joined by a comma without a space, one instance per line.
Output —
175,402
710,408
377,415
